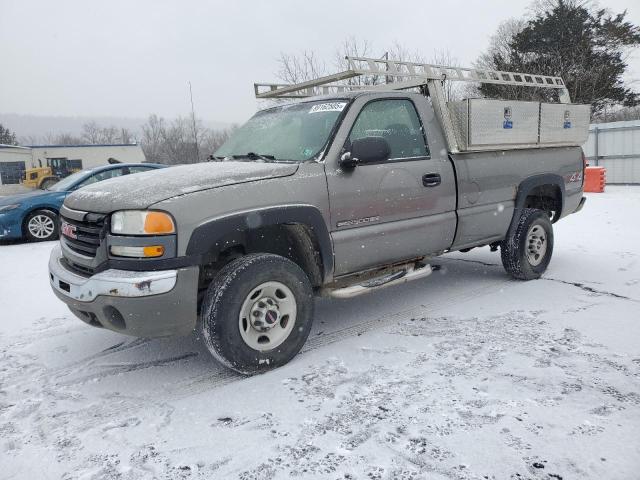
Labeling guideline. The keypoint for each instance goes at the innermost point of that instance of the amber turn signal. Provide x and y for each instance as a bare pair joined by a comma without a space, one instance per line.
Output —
158,222
151,251
154,251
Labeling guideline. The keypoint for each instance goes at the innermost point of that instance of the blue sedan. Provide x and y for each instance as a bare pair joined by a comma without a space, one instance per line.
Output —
34,215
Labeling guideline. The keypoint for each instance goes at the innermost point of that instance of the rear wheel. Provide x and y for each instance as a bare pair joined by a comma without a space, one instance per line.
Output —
257,313
41,225
527,250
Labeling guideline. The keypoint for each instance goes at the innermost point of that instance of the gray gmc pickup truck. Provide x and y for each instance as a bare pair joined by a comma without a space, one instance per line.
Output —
335,195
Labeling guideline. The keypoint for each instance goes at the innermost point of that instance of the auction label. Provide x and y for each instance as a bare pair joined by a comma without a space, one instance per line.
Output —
328,107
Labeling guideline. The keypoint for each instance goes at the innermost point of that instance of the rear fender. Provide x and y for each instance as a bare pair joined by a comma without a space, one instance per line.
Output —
528,185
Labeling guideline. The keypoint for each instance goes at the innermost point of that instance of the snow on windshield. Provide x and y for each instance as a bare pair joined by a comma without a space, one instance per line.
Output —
295,132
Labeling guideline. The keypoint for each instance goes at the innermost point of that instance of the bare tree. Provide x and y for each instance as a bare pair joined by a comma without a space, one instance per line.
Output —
173,142
305,66
299,68
151,141
91,133
452,90
94,134
213,139
63,139
126,136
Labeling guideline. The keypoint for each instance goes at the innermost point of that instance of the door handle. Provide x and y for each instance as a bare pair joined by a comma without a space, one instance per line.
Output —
431,179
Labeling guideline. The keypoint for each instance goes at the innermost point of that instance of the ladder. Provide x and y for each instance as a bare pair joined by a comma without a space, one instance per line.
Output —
409,74
384,74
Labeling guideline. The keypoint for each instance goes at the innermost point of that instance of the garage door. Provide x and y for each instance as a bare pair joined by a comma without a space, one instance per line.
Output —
11,172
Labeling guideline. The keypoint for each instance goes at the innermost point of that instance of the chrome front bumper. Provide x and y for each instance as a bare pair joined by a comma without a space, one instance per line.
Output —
113,283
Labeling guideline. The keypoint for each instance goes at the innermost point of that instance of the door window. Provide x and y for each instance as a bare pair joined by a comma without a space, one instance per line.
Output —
104,175
139,169
397,122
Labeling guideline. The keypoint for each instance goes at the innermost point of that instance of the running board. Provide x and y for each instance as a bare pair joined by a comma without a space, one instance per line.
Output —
407,274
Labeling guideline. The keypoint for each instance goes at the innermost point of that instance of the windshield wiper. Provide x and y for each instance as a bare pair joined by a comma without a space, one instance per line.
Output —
254,156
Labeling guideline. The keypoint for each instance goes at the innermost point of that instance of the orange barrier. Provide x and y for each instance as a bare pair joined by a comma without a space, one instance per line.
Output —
595,179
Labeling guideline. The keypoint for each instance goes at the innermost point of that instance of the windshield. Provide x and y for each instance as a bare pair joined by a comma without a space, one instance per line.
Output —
295,132
66,183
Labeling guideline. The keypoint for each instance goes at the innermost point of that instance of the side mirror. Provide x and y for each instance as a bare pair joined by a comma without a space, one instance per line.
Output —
366,150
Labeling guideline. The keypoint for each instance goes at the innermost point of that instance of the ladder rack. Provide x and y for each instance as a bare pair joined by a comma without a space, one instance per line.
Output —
403,75
382,74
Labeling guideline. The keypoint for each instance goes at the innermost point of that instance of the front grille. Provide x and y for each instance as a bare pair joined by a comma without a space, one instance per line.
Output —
77,268
90,233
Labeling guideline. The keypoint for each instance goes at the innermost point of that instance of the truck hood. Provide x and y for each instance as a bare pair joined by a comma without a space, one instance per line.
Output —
142,190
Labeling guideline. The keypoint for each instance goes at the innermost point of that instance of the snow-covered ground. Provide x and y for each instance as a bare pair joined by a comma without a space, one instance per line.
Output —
463,375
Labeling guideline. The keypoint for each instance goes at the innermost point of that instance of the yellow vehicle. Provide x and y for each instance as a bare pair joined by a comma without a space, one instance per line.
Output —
56,169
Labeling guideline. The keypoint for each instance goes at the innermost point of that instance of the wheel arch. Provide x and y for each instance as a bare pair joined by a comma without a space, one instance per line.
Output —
544,192
299,228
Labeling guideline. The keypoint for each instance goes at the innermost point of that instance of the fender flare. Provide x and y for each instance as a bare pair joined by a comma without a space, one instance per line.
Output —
528,184
207,236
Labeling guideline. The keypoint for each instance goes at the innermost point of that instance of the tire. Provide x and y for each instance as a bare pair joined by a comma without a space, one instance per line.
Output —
253,298
41,225
527,250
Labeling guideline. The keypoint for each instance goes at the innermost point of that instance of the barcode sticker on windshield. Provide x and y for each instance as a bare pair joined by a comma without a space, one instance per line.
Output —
328,107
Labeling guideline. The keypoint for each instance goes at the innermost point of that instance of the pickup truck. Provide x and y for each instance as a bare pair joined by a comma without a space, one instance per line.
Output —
334,195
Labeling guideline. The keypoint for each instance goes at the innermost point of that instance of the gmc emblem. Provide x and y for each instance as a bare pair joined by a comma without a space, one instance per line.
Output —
69,230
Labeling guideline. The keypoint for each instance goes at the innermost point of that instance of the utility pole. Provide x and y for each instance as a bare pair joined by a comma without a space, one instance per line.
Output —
193,120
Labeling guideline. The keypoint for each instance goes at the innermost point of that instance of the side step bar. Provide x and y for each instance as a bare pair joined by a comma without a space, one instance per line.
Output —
408,273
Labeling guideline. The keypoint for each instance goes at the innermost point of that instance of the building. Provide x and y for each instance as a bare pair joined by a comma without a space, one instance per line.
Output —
615,146
15,160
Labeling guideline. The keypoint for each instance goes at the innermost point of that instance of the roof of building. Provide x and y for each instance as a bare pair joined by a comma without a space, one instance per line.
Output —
3,145
85,146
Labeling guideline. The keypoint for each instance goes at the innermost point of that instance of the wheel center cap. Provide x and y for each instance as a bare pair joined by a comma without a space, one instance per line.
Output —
265,314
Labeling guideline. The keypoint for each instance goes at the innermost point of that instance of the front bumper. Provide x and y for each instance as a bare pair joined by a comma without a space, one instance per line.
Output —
143,304
11,225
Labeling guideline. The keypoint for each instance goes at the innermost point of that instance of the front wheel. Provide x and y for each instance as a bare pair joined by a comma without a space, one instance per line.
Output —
527,250
41,225
257,313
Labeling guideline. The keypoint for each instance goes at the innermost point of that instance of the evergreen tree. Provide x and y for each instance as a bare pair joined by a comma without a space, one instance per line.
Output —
6,137
584,46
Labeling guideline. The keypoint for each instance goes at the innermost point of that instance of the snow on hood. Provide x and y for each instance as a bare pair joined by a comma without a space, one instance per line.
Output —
144,189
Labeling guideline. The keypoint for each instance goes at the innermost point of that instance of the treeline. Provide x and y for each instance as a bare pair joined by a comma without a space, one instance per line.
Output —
587,46
181,140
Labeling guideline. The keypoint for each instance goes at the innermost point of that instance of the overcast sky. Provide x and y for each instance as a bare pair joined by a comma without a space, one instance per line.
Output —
133,58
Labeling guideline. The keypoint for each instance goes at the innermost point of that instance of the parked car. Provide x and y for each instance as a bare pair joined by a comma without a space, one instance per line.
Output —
34,215
335,195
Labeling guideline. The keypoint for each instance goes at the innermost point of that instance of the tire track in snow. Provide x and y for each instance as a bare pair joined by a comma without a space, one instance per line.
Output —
580,285
383,321
203,383
588,289
117,369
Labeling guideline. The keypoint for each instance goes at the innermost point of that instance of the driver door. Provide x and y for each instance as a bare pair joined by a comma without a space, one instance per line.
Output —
396,209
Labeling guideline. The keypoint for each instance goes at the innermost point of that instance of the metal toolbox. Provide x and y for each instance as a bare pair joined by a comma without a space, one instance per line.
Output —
485,124
564,123
491,123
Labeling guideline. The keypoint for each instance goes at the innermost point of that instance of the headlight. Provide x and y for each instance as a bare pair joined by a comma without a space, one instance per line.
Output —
142,222
6,208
